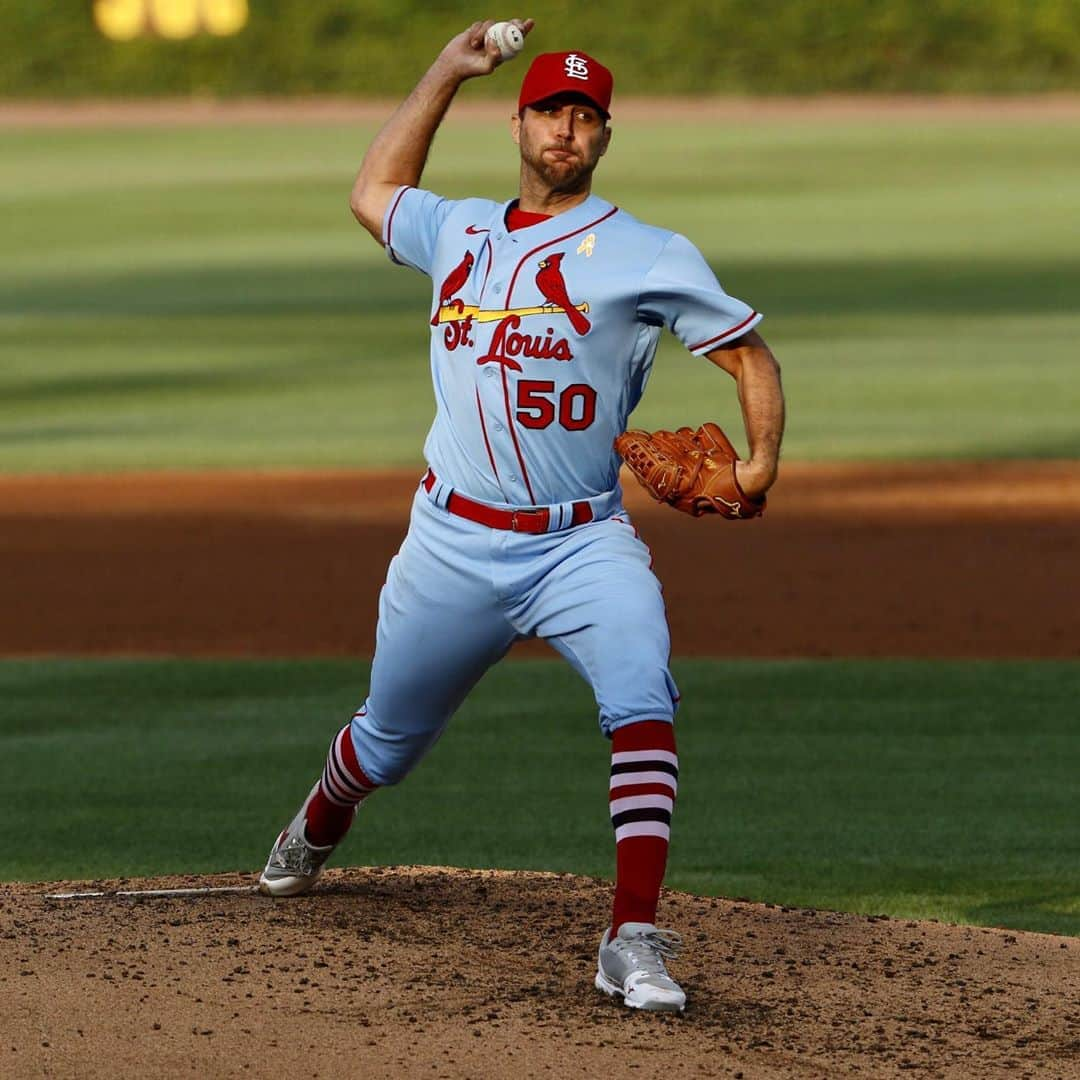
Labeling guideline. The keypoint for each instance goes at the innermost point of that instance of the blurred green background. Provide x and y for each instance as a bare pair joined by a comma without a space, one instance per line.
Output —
201,296
688,46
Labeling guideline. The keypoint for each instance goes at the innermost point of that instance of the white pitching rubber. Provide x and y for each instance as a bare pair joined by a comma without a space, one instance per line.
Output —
128,894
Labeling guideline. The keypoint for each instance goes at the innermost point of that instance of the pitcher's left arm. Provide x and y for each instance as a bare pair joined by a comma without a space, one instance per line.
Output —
750,362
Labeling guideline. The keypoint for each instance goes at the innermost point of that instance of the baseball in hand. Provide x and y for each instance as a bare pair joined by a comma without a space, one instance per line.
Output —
508,38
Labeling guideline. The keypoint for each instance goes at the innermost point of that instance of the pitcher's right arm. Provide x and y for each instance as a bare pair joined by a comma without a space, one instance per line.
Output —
398,153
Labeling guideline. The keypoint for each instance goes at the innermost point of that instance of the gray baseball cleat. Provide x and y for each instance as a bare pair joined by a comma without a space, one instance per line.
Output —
294,865
631,965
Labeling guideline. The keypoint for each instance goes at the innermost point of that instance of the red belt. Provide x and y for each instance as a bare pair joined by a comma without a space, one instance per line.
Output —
526,521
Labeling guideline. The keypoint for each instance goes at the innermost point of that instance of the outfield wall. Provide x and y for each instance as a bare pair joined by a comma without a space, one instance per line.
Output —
378,47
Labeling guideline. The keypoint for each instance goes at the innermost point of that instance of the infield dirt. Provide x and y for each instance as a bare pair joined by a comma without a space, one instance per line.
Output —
929,560
407,972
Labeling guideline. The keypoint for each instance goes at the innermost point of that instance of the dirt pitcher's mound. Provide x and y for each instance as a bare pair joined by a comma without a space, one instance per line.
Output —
402,972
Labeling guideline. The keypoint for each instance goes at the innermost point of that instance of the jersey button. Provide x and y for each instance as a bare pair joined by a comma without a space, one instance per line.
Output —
498,426
497,289
490,371
512,478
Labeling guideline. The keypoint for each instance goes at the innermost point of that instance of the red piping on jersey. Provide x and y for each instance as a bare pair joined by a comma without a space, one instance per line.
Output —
727,333
509,294
390,219
483,429
487,244
557,240
513,435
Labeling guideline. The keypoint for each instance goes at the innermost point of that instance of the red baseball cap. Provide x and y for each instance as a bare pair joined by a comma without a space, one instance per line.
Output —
566,73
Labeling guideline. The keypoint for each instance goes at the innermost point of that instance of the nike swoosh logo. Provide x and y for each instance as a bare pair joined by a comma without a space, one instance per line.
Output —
472,230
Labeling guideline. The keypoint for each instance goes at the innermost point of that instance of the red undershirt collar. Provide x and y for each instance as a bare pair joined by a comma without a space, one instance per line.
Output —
517,218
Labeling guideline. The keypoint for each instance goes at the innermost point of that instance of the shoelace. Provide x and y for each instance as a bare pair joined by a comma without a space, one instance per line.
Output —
648,950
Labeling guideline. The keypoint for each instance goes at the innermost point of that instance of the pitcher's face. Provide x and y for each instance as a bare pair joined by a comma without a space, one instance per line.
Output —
561,141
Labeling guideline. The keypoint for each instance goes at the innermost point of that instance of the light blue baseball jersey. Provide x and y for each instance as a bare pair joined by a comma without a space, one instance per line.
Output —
542,339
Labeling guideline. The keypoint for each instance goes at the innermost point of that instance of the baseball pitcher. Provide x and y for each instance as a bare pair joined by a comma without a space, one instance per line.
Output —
545,315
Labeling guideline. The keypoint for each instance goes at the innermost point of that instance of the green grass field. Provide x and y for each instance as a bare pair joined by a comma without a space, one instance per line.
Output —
915,789
176,297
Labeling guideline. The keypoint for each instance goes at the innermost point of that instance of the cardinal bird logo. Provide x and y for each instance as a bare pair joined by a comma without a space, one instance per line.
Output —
453,283
550,282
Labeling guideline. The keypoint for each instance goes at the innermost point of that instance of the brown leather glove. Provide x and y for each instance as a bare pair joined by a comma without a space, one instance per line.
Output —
694,471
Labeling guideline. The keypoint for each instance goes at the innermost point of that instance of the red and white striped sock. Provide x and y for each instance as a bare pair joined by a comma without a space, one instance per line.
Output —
342,788
644,779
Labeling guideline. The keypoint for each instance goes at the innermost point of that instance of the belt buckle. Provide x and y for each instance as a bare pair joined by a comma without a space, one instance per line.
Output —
521,519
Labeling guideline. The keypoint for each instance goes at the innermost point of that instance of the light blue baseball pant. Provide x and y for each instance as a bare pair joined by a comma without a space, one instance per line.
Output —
458,594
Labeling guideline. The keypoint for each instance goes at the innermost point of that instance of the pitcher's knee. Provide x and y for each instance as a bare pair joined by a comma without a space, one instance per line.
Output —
388,754
639,696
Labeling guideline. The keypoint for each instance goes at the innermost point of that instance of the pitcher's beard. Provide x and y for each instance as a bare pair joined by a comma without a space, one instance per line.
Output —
563,175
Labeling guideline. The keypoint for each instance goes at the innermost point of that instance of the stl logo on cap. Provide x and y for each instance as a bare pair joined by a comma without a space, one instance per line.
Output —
577,67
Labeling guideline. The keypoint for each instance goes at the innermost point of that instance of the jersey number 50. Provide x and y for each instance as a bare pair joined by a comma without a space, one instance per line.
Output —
536,405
